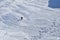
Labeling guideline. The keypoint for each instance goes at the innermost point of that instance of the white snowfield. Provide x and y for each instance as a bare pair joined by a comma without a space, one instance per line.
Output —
39,21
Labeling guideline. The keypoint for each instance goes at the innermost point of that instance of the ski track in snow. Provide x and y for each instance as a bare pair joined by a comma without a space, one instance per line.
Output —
39,21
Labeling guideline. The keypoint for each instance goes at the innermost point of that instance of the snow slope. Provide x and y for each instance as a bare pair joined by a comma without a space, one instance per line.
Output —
39,21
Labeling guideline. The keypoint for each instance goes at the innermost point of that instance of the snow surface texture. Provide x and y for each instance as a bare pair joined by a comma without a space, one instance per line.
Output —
39,21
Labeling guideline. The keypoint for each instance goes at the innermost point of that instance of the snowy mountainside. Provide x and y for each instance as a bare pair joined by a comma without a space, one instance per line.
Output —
39,21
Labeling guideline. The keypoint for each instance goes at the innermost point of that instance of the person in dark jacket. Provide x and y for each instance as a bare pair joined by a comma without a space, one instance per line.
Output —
21,18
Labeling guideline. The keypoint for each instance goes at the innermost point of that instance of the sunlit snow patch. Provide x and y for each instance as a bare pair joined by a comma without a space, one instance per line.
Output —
11,35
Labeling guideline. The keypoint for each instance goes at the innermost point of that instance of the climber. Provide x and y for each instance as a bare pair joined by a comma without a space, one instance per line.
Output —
21,18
